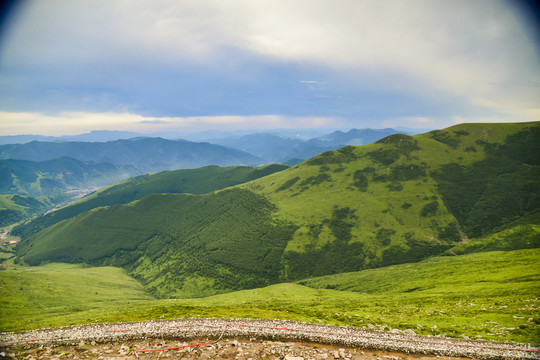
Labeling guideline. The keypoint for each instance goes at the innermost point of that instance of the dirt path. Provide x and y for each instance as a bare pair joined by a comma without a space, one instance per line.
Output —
244,339
227,349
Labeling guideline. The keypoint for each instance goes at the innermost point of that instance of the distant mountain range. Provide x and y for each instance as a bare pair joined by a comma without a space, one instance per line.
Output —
203,136
146,154
266,147
93,136
269,147
275,148
43,175
467,188
68,166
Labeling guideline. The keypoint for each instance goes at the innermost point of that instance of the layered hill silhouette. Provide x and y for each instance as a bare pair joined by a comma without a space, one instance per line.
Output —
55,176
31,188
401,199
93,136
146,154
275,148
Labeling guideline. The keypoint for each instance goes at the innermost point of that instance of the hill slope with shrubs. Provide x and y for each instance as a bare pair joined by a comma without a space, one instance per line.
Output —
401,199
31,188
16,208
56,176
405,198
193,181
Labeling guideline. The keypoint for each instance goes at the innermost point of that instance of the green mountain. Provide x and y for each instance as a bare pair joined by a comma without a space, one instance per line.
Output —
32,188
147,154
15,208
56,176
404,198
192,181
401,199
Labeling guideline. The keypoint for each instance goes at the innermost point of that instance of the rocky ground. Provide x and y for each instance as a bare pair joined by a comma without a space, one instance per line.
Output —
243,339
226,349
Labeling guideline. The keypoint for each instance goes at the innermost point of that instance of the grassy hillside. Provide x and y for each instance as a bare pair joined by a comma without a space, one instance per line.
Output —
491,295
206,244
399,200
525,236
39,296
15,208
191,181
31,188
56,176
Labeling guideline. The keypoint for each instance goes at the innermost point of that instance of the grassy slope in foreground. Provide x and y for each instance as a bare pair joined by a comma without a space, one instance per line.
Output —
491,295
41,296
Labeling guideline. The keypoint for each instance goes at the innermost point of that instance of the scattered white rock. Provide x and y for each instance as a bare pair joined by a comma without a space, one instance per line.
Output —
409,332
291,357
119,338
124,349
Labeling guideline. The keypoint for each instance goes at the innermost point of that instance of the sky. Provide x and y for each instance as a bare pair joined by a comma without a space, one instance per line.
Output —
72,66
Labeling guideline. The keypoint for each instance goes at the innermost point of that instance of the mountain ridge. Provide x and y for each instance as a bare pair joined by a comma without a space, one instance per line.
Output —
276,148
385,203
32,188
192,181
51,177
147,154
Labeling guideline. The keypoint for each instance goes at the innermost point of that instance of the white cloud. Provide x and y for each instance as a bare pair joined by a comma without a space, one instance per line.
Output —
419,122
475,50
314,85
69,123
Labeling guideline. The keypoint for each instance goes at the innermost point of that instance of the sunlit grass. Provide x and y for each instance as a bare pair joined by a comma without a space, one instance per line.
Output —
488,295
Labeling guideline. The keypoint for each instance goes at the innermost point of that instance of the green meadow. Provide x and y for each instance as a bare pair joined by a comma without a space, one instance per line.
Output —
490,295
202,232
437,232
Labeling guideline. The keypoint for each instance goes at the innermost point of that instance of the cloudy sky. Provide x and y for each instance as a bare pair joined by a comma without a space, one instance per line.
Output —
71,66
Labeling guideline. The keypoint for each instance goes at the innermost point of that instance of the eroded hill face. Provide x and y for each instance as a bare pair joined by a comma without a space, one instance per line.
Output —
401,199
